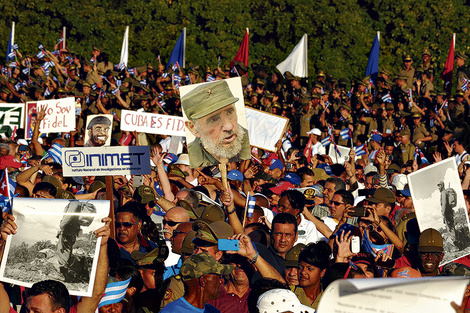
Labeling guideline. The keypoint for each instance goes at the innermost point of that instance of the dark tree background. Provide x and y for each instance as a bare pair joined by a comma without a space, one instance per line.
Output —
340,32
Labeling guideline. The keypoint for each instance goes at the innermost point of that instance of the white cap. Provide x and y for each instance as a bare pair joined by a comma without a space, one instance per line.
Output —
399,181
314,131
369,169
182,159
22,142
281,300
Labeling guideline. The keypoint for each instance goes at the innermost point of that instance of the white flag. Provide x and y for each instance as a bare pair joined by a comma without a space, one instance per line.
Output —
125,46
297,61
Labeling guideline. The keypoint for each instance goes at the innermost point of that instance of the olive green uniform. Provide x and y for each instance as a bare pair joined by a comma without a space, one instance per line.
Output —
407,151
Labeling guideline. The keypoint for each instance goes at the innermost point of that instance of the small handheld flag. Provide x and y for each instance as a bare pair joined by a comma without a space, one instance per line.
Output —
251,202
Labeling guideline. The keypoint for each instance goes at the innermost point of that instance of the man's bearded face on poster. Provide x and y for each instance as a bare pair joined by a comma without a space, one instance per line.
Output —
99,134
220,133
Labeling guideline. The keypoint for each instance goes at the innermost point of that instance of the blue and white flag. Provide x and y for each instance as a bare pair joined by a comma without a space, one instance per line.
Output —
465,84
326,141
13,64
55,153
210,78
115,91
250,202
26,71
41,54
131,71
387,98
114,292
361,150
47,92
346,133
143,82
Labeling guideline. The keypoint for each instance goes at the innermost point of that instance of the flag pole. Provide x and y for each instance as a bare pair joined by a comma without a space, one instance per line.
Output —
184,47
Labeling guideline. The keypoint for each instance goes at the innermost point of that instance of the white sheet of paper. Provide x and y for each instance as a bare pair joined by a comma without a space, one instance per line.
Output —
393,295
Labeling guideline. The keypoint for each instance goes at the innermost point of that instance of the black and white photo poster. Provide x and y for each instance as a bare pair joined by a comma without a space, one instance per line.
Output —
54,240
439,203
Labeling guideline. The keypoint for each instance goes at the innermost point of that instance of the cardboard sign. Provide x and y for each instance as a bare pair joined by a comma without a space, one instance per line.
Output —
12,115
219,134
151,123
54,241
60,116
393,295
439,203
265,129
106,161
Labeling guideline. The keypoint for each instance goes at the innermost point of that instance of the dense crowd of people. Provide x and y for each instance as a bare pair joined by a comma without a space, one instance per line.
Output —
315,220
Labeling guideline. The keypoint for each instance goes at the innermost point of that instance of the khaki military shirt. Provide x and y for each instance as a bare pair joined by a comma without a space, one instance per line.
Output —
408,152
174,291
300,293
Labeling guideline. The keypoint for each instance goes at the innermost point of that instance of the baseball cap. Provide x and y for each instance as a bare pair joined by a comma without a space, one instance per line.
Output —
430,240
170,158
198,265
148,260
314,131
183,159
383,195
293,178
280,300
144,194
276,163
369,169
376,137
208,234
235,175
399,181
292,256
326,168
282,186
406,272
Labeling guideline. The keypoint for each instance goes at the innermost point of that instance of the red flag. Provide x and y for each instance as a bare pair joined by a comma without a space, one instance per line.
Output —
308,150
242,54
448,68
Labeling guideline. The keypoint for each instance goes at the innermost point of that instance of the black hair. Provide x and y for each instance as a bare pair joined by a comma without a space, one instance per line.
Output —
304,171
347,196
126,272
296,199
58,293
316,254
45,186
136,208
334,272
284,218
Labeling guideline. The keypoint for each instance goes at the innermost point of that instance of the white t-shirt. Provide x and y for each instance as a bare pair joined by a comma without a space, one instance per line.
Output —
307,232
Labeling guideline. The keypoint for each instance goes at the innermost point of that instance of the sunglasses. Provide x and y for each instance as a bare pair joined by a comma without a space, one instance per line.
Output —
170,223
336,203
125,224
178,232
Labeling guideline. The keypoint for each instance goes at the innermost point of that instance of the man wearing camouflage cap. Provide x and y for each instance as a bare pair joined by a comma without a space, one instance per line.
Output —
212,119
201,275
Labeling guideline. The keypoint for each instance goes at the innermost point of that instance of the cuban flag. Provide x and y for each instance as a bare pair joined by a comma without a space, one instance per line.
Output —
41,54
346,133
115,91
55,153
93,86
13,64
361,150
114,292
24,159
326,141
387,98
7,190
419,153
131,71
161,103
210,78
250,202
47,92
12,55
465,84
143,82
26,70
176,66
444,104
122,66
118,82
176,80
165,75
368,246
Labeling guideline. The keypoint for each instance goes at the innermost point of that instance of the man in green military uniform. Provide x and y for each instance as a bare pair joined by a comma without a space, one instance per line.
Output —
408,70
388,122
462,70
427,65
420,133
407,148
212,119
